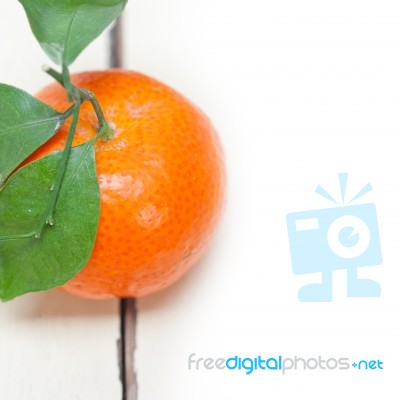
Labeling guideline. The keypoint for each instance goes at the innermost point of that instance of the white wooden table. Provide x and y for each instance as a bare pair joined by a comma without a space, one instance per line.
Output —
299,92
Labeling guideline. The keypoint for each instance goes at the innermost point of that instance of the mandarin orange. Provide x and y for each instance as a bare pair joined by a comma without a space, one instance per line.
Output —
161,180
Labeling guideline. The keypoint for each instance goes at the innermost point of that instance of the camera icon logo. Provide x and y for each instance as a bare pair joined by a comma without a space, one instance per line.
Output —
325,240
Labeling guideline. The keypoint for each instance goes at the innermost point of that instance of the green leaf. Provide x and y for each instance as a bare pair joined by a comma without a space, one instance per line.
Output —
25,124
32,264
65,27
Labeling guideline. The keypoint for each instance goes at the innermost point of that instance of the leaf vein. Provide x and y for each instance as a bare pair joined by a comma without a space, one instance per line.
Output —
30,124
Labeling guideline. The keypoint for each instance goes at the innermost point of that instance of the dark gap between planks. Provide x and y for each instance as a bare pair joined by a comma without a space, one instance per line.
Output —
127,307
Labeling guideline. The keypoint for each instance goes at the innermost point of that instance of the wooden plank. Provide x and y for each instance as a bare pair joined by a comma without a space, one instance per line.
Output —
52,345
55,346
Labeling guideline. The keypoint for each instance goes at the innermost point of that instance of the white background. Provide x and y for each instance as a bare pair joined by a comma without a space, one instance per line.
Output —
299,91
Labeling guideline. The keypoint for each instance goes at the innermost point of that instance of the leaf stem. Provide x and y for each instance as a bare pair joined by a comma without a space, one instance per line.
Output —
64,79
54,74
69,111
105,131
48,216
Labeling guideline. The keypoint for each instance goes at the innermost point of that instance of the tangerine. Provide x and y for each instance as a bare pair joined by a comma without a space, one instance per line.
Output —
161,178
